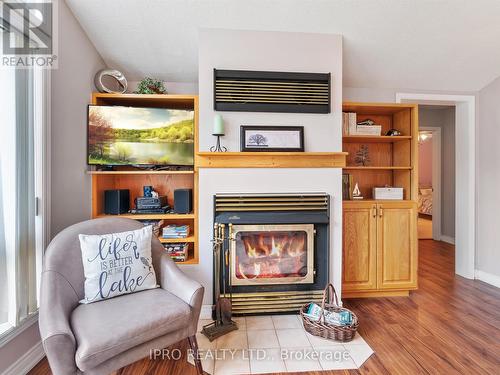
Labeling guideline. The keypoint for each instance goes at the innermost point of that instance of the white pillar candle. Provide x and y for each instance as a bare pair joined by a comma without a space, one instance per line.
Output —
218,125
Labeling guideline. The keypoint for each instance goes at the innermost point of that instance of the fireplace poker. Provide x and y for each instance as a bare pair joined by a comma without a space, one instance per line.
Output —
225,303
223,309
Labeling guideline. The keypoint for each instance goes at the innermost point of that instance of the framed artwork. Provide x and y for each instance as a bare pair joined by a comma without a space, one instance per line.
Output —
272,138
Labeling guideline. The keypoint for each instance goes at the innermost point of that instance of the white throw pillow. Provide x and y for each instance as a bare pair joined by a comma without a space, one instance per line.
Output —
117,263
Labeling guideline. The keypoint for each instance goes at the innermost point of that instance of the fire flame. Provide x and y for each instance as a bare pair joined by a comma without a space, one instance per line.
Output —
276,249
271,254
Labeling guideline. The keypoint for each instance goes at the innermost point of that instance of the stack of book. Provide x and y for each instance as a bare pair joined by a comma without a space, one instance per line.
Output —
156,224
175,231
349,123
178,252
347,186
350,126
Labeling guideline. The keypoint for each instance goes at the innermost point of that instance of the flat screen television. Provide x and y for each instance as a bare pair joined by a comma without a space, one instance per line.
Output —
140,136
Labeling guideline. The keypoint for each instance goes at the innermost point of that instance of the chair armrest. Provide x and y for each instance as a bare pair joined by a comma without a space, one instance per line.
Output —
176,282
57,300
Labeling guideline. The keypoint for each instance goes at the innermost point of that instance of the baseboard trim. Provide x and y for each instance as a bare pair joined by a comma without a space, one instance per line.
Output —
206,312
27,361
488,278
448,239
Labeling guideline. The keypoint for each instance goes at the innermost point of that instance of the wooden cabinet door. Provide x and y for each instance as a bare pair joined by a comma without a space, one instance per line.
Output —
397,245
359,246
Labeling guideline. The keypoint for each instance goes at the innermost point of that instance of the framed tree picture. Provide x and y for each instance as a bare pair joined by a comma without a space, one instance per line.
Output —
272,138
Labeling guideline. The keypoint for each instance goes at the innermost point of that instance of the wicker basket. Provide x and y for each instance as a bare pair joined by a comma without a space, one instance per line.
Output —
329,331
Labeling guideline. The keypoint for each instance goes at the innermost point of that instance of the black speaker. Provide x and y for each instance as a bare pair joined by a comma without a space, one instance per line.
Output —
116,202
183,201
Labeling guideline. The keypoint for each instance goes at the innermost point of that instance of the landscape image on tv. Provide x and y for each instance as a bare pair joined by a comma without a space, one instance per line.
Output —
140,136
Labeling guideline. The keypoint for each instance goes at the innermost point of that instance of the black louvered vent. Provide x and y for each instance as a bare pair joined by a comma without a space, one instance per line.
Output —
272,202
254,91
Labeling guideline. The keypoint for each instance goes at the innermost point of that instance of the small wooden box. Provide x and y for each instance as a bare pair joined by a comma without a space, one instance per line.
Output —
388,193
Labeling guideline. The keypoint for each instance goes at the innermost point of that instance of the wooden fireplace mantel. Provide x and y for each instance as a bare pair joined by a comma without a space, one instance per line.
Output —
271,159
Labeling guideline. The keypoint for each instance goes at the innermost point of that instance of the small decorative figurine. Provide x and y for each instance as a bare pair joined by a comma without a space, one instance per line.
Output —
150,86
356,194
147,191
393,133
367,122
116,75
362,157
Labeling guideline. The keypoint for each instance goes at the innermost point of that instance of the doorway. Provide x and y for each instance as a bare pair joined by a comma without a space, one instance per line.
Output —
429,186
437,173
464,153
426,184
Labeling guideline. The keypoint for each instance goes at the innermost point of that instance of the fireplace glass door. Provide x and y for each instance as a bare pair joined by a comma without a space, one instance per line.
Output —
272,254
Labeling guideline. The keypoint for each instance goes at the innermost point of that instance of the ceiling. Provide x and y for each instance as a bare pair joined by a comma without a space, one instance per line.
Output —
448,45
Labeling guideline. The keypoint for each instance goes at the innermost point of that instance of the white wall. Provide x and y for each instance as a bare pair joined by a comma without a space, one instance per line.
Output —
72,85
488,181
278,51
274,51
355,94
18,346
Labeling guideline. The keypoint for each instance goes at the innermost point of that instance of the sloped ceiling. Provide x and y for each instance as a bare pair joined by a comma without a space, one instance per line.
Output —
414,44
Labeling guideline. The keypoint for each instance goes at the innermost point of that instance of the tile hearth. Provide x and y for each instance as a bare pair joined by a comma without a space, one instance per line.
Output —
279,343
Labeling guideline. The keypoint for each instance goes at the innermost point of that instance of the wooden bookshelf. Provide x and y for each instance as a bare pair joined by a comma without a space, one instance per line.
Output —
380,236
393,159
164,181
177,240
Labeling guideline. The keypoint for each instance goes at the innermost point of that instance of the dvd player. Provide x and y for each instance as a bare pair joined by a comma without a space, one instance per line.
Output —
144,203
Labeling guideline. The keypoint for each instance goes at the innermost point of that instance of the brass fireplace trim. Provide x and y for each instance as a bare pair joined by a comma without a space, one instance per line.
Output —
265,302
307,279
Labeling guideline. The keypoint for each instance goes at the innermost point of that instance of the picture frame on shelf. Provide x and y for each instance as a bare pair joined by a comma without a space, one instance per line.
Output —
271,138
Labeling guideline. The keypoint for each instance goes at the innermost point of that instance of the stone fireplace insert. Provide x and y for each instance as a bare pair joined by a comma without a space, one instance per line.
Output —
276,256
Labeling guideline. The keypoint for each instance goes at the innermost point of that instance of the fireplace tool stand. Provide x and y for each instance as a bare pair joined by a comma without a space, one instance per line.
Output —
223,309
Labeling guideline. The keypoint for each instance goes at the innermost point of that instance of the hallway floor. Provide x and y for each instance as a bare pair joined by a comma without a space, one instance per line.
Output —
450,325
424,226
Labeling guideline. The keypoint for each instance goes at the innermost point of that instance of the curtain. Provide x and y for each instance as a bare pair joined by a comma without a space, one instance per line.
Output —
7,191
17,198
24,103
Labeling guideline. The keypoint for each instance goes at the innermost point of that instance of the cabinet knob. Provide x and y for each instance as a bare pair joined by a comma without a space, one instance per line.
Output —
380,212
374,211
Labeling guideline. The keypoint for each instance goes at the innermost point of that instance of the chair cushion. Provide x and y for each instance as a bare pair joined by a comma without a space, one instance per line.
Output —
106,328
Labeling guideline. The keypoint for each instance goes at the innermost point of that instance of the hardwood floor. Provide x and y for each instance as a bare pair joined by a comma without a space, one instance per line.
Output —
451,325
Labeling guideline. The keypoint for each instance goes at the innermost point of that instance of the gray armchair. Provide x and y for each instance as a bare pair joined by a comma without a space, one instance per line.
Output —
101,337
